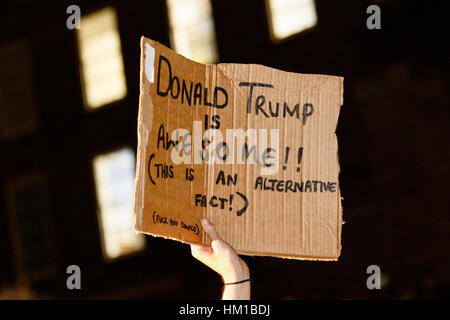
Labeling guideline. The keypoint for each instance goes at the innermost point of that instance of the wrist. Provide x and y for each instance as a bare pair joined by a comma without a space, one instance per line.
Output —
239,273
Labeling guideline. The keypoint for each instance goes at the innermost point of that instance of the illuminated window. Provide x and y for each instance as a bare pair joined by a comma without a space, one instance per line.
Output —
192,29
288,17
100,53
114,179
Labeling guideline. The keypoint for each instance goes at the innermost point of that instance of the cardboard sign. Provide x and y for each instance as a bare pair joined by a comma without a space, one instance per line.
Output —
251,148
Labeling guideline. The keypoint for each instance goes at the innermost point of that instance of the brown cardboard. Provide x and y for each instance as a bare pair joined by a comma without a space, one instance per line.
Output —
282,219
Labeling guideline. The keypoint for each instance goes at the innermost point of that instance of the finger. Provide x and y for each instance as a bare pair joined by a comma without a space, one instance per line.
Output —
210,230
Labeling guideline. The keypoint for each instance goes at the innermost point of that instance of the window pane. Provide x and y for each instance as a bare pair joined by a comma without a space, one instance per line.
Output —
100,53
192,29
18,114
291,16
30,226
114,179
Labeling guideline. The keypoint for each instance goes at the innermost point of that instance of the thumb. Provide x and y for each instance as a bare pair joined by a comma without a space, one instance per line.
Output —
210,229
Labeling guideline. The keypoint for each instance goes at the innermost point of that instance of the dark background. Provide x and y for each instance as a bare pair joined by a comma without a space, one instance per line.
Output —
393,148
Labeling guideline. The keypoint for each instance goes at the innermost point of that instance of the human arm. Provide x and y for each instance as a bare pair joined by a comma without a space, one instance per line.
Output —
223,259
